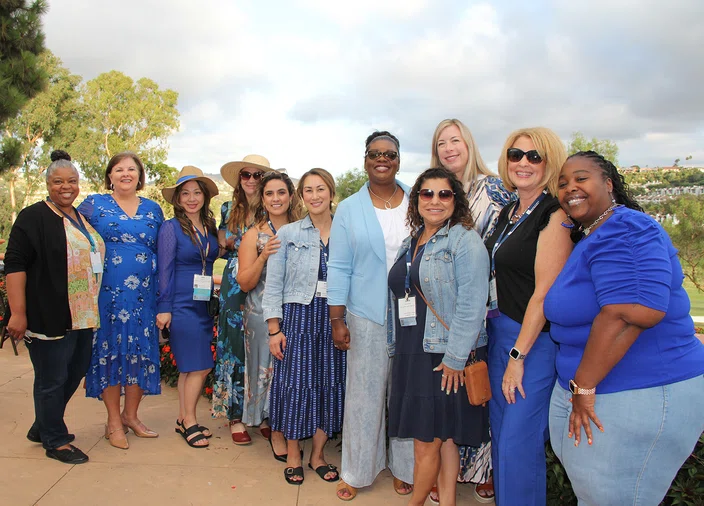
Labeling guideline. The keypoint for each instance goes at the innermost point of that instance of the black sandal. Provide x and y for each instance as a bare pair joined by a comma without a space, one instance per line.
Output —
290,472
194,431
180,427
325,469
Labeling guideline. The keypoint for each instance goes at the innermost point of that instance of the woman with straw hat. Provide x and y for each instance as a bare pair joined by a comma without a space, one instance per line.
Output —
187,248
237,216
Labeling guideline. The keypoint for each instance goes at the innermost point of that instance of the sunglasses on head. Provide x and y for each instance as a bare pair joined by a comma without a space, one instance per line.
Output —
516,155
427,195
246,175
373,155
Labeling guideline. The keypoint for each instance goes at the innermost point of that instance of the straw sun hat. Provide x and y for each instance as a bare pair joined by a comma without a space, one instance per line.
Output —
190,173
231,170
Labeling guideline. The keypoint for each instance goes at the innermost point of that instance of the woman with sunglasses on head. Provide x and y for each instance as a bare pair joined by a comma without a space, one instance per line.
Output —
628,360
439,285
453,147
278,205
527,250
368,230
308,386
236,217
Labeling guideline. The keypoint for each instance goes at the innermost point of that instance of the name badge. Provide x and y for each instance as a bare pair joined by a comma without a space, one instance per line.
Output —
201,287
493,299
407,311
321,289
96,262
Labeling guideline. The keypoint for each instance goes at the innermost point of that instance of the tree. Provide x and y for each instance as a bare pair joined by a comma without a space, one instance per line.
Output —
686,229
607,148
21,76
349,183
119,114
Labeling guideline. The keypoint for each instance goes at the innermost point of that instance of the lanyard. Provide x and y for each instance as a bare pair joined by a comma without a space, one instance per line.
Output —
326,250
78,224
203,251
271,226
409,261
503,236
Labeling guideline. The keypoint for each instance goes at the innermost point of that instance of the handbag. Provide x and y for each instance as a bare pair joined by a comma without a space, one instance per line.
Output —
476,372
213,305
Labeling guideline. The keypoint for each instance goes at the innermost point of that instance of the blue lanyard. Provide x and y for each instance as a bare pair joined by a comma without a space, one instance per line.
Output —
78,224
203,251
503,236
271,226
409,261
326,250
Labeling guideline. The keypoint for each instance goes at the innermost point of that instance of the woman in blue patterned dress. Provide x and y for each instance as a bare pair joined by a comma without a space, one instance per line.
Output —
236,217
308,387
125,357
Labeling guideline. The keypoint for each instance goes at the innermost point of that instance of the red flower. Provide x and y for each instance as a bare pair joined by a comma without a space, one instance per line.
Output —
171,355
173,362
166,348
208,391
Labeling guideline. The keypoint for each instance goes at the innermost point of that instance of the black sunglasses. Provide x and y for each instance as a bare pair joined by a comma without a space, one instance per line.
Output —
516,155
246,175
373,155
427,195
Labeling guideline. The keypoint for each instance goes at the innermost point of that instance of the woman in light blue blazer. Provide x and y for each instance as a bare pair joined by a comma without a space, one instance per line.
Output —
366,234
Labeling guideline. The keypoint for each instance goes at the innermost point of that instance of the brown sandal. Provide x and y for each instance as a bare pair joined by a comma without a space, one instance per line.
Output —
350,490
488,489
399,487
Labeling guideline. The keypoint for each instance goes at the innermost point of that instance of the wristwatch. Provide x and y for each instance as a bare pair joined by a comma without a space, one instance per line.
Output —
516,354
581,391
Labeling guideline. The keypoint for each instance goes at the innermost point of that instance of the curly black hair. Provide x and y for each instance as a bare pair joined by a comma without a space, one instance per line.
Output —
382,133
460,215
59,154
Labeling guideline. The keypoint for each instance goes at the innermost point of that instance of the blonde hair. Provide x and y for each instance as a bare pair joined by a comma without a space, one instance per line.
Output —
475,163
549,146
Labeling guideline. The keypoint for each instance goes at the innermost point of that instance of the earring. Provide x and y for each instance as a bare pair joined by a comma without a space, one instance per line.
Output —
613,201
112,186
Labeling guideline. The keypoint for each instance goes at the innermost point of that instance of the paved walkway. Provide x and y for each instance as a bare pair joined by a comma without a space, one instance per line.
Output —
161,471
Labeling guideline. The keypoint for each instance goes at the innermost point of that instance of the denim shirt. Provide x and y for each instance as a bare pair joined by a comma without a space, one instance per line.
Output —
454,278
292,272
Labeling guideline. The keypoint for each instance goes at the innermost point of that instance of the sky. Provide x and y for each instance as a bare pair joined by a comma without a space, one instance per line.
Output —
303,82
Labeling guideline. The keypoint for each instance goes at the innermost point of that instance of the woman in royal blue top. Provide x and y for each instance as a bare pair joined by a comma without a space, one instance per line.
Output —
627,354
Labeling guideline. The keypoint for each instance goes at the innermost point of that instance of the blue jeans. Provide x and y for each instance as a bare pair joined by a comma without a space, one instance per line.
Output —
59,366
519,431
648,434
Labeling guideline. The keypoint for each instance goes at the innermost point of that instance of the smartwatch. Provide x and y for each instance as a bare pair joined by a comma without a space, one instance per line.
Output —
581,391
515,354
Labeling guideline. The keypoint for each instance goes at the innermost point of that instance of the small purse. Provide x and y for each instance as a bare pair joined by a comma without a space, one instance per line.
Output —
213,305
476,372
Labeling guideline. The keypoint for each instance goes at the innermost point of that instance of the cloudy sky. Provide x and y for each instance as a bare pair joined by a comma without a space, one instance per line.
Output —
303,82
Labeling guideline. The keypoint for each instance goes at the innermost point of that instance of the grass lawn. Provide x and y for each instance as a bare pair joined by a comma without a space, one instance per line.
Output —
220,266
696,298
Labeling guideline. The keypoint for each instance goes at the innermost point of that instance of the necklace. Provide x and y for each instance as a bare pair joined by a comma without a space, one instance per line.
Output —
387,203
588,229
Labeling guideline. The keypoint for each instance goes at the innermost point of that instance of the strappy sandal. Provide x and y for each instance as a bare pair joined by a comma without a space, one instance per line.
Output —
192,435
180,428
291,472
488,489
400,489
351,491
324,470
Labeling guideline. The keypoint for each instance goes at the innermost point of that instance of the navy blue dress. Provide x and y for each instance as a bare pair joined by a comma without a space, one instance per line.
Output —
191,327
417,407
308,386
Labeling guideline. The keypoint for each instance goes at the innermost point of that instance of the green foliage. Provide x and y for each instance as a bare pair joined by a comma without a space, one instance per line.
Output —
607,148
349,183
559,488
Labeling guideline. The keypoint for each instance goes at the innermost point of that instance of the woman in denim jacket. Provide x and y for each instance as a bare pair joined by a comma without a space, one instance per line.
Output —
439,286
308,387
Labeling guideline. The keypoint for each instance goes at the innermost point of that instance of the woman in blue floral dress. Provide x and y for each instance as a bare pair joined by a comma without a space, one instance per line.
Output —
236,217
125,358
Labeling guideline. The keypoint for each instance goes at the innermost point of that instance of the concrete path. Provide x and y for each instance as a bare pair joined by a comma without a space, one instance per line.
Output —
162,471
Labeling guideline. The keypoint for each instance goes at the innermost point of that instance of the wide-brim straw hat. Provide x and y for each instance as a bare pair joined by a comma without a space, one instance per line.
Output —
190,173
231,170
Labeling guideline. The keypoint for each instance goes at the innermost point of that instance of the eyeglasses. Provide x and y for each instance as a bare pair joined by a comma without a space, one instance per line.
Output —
426,194
516,155
373,155
246,175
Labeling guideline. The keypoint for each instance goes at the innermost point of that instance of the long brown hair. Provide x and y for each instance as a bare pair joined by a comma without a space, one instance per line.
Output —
206,215
240,209
294,205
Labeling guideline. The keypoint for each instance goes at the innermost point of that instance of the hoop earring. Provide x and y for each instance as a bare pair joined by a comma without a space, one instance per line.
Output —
111,187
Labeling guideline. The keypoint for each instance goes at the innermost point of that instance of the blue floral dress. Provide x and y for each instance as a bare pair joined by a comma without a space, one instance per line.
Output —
126,346
228,386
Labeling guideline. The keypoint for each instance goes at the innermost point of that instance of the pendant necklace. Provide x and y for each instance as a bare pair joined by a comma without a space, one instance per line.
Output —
588,229
387,203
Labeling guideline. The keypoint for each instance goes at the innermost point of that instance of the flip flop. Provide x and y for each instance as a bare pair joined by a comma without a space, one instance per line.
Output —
290,472
325,469
350,490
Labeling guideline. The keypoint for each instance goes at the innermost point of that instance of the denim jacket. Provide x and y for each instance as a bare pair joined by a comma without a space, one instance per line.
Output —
292,272
454,278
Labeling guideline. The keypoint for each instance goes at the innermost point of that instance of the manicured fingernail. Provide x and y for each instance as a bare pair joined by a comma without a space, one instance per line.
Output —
589,441
576,443
455,389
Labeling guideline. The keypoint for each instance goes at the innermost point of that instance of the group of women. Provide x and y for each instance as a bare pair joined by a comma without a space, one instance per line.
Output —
550,272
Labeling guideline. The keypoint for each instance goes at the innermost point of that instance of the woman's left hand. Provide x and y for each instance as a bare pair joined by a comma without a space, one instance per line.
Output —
582,412
513,379
452,379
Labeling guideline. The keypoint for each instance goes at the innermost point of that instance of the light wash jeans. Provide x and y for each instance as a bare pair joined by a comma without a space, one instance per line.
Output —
648,434
364,429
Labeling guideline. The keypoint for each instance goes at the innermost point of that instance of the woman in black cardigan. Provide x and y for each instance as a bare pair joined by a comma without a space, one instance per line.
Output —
53,264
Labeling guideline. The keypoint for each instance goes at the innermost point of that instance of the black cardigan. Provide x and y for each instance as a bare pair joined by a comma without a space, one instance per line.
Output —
37,246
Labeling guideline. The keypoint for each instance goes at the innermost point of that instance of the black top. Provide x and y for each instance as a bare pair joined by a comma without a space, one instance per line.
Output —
37,246
515,258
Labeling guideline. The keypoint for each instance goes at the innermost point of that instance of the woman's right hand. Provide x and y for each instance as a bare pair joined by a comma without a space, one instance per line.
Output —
271,247
17,326
277,345
340,335
163,320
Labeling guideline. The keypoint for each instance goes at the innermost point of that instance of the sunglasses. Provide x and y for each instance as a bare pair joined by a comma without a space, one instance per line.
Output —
246,175
426,194
373,155
516,155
